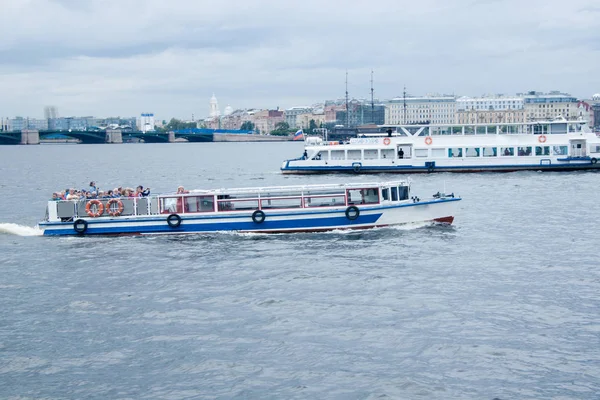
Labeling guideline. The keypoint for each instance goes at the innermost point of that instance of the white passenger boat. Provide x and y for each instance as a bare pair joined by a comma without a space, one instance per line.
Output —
309,208
557,145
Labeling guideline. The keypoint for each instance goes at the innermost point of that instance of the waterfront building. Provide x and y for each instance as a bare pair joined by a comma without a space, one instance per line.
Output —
361,112
20,123
420,110
214,107
50,112
489,109
545,106
146,122
317,116
265,121
292,113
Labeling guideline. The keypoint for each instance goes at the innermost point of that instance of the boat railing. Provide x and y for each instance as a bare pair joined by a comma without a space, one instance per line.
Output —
131,206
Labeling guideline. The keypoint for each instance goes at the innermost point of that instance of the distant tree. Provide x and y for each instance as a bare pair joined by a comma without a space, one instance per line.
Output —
312,125
247,126
176,125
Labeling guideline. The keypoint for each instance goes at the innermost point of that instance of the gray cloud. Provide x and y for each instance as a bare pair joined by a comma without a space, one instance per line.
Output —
108,57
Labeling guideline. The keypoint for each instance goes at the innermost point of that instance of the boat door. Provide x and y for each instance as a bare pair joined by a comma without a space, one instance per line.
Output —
578,148
404,150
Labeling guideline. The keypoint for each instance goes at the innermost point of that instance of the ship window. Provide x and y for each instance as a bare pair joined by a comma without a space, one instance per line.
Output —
438,153
385,193
371,154
402,192
542,150
237,205
421,153
394,193
559,150
171,205
337,155
389,153
472,152
595,149
281,202
507,151
363,196
199,204
455,152
524,151
324,201
490,151
353,154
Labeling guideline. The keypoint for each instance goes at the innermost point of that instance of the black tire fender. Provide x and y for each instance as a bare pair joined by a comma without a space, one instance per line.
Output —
174,220
594,160
352,213
258,216
80,226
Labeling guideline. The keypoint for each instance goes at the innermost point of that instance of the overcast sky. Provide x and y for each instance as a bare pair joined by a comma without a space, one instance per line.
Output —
125,57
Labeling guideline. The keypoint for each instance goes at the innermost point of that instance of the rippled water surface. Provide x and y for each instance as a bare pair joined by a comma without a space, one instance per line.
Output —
504,304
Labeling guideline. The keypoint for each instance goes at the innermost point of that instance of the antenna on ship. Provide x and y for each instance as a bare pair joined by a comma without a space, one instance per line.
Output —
347,110
404,97
372,103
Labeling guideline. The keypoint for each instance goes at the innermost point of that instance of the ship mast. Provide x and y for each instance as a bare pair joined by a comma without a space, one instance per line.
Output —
372,103
347,110
404,97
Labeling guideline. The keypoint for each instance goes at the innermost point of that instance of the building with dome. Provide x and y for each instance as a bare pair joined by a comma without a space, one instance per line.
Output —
228,110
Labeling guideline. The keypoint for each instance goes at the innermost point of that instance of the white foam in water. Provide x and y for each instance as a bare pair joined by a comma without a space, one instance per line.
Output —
20,230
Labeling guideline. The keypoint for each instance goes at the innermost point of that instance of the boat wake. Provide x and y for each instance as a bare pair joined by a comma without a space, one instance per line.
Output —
20,230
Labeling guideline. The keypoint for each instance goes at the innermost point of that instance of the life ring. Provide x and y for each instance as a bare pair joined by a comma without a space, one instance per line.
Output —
258,216
386,141
594,160
80,226
99,208
352,213
114,211
542,139
428,140
174,220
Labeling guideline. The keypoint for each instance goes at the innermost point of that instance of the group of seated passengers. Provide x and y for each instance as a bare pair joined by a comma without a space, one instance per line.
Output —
94,193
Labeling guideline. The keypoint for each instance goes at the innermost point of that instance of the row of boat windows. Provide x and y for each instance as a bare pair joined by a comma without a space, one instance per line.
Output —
196,204
443,152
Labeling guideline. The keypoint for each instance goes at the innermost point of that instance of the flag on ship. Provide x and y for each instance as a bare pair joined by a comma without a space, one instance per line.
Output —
299,135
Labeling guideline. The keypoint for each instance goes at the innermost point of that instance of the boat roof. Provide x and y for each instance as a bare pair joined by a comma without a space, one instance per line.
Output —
298,188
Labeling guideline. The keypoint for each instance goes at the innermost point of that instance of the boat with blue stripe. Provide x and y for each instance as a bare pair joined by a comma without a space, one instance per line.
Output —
557,145
276,209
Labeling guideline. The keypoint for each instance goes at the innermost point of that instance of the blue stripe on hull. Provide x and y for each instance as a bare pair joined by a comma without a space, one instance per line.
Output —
188,226
412,169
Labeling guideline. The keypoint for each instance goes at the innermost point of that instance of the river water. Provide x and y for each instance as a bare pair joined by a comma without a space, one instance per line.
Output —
504,304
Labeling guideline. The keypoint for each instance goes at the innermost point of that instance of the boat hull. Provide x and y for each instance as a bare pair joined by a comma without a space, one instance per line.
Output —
276,221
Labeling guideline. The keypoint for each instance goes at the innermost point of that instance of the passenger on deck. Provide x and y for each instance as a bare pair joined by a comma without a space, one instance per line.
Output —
93,187
305,155
56,197
401,153
181,190
140,192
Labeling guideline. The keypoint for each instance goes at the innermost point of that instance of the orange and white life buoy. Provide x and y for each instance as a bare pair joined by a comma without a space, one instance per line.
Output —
542,139
94,205
114,207
386,141
428,140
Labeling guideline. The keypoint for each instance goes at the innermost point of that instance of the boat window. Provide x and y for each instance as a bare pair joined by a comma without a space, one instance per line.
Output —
595,149
559,150
421,153
281,202
385,193
542,150
354,155
490,151
389,153
438,153
171,205
402,192
337,155
324,155
507,151
481,130
469,130
371,154
471,152
237,205
454,152
195,204
394,193
325,201
524,151
363,196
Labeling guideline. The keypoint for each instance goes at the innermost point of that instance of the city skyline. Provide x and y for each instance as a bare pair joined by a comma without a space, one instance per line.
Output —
133,57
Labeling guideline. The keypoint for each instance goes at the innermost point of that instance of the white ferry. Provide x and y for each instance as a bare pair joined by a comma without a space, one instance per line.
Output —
557,145
309,208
